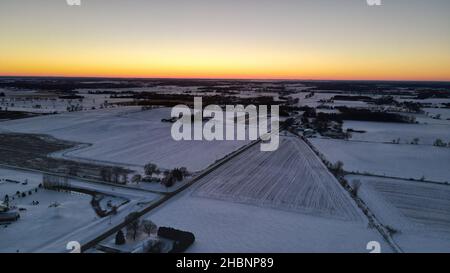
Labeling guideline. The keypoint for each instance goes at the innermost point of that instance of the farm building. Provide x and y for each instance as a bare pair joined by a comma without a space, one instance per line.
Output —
9,217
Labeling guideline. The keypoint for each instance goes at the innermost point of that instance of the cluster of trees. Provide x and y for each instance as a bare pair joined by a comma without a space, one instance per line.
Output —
114,175
426,94
440,143
134,228
325,124
410,106
19,194
337,169
414,107
169,179
173,176
74,108
151,169
356,185
7,199
347,113
309,95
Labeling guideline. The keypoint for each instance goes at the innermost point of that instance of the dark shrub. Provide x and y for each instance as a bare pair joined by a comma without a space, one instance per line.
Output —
120,238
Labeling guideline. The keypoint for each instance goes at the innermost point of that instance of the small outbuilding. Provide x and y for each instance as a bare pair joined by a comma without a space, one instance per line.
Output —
7,217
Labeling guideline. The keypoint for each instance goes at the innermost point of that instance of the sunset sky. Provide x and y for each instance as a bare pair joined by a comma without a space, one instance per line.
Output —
282,39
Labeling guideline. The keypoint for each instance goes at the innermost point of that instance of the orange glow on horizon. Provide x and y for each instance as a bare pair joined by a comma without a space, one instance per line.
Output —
224,77
226,40
216,62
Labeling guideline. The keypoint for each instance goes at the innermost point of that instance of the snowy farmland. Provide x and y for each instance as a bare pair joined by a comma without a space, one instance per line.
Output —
418,211
284,201
47,102
387,132
49,219
290,178
222,226
42,223
396,160
126,136
442,113
12,181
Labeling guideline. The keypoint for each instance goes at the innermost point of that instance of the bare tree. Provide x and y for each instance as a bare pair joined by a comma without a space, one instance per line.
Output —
133,224
115,174
105,174
136,178
356,185
439,143
150,169
148,226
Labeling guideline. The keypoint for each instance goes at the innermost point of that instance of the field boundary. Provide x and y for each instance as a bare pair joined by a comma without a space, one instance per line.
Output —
168,196
360,203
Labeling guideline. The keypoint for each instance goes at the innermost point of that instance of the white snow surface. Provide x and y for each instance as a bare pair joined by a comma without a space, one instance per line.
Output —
222,226
249,213
396,160
419,211
126,136
386,132
290,178
45,229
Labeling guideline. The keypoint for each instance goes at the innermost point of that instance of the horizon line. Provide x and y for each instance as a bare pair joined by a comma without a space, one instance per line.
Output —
219,78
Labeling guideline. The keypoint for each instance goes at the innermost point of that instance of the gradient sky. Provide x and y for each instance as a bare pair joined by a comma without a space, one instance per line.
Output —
294,39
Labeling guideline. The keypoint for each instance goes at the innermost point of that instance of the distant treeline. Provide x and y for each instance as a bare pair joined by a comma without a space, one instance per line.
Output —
428,94
71,97
63,85
170,100
365,115
380,87
6,115
352,98
384,100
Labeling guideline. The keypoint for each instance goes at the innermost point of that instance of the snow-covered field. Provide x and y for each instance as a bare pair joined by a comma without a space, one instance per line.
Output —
433,101
350,103
420,212
386,132
222,226
283,201
26,182
48,229
126,136
397,160
314,100
291,178
40,224
427,119
434,112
